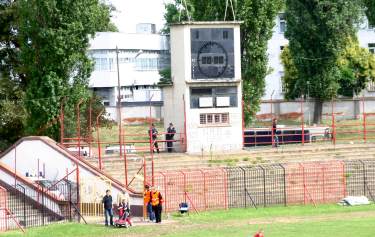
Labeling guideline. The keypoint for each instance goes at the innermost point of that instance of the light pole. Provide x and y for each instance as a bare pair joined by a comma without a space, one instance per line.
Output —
119,113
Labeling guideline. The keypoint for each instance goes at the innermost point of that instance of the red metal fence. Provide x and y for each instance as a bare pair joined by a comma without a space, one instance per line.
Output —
344,121
3,209
201,189
266,185
315,182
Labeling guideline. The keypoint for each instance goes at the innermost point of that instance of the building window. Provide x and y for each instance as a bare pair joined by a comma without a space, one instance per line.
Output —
371,47
146,64
371,86
197,34
225,34
214,119
103,64
220,96
282,23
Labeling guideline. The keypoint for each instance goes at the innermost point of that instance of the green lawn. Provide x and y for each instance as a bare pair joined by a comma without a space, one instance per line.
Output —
301,221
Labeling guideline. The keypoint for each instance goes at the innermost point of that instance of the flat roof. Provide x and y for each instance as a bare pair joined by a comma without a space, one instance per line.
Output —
207,23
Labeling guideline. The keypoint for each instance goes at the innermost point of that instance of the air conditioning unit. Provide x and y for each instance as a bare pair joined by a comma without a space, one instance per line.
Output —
223,101
205,102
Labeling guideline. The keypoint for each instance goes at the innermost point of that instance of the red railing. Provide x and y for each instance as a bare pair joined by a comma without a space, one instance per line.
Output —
338,124
202,189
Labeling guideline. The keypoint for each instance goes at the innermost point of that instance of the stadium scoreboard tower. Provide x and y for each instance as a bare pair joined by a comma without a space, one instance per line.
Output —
206,85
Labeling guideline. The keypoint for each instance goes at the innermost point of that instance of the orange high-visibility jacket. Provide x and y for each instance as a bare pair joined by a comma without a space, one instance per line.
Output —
147,196
156,198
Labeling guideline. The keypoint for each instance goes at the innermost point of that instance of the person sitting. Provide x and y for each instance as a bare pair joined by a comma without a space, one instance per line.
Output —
124,211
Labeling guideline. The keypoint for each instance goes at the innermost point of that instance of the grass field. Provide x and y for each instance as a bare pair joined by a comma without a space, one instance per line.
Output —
301,221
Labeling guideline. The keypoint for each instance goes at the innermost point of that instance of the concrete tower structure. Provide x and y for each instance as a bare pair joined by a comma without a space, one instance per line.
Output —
205,97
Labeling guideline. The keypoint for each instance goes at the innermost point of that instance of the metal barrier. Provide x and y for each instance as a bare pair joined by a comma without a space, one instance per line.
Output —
3,209
203,189
27,207
344,121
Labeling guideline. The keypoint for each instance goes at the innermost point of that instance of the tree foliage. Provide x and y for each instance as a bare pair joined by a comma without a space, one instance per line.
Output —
45,44
370,11
258,18
318,31
356,68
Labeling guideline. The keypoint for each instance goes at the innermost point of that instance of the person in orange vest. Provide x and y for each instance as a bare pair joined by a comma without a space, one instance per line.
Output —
147,203
156,202
259,233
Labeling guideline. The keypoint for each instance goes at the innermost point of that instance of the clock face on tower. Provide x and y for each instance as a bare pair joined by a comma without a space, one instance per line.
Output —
212,60
212,53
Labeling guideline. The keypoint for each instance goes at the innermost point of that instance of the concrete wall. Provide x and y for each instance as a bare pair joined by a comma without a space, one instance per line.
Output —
140,111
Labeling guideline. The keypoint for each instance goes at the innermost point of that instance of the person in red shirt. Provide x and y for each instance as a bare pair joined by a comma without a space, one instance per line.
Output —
259,234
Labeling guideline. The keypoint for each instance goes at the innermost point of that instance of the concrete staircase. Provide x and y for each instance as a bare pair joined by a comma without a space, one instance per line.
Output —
254,156
26,214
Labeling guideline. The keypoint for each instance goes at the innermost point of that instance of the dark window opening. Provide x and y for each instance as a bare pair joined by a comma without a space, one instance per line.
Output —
225,34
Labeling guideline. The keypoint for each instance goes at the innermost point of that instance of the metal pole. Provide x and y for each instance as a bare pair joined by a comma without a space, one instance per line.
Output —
284,183
62,120
90,126
333,125
364,119
264,185
185,135
302,123
119,101
244,182
272,132
151,145
98,138
79,127
243,125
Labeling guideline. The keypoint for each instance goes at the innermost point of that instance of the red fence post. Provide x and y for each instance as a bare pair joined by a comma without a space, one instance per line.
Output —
183,98
333,124
225,188
204,188
62,120
98,138
364,119
243,125
343,179
165,190
79,128
302,123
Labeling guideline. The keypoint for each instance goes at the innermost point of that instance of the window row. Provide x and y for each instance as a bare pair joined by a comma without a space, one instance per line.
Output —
214,119
141,64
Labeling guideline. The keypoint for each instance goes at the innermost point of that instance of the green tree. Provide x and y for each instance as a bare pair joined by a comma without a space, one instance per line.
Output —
318,31
370,11
53,41
258,18
356,67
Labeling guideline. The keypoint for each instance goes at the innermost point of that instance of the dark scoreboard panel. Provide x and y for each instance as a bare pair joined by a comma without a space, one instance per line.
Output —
212,53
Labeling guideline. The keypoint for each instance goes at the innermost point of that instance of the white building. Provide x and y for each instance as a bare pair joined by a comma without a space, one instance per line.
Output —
140,56
366,37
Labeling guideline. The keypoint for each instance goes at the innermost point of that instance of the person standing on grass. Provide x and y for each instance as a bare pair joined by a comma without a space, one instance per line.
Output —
147,203
275,138
169,137
154,135
156,202
107,202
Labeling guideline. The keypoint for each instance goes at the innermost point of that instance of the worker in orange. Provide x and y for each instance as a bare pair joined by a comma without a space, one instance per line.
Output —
156,202
147,203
